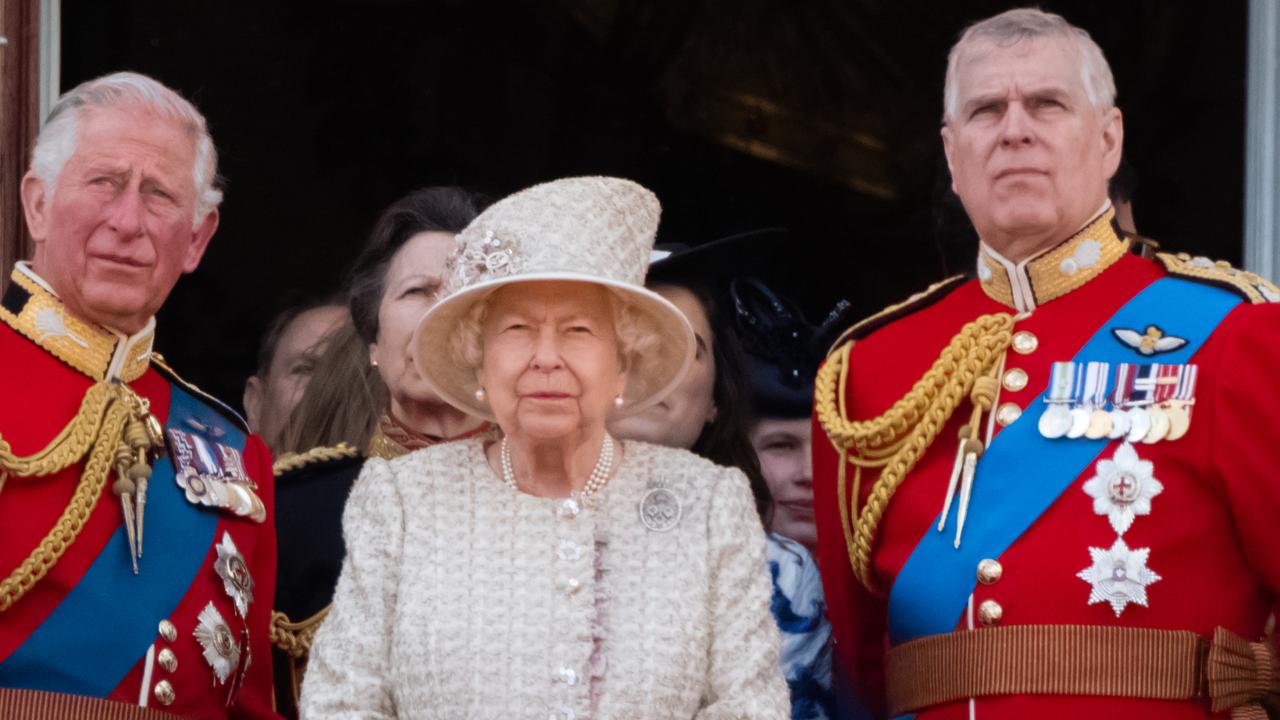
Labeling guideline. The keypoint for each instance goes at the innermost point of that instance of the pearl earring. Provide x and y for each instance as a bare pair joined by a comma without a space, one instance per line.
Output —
373,363
618,401
480,395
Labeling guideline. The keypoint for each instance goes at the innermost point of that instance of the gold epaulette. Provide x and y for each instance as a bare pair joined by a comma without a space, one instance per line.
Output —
157,360
293,461
919,301
1250,286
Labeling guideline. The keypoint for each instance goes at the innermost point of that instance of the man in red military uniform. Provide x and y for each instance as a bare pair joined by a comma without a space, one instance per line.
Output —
1050,491
136,535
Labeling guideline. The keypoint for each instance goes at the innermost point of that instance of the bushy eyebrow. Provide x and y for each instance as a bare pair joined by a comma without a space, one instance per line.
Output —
1002,98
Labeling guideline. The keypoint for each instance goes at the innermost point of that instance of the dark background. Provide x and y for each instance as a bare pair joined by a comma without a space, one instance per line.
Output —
820,116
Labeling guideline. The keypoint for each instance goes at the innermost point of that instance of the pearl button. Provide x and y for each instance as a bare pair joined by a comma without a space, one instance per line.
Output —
569,551
167,660
1025,342
1015,379
569,509
168,631
571,586
164,692
990,612
989,571
567,676
1008,413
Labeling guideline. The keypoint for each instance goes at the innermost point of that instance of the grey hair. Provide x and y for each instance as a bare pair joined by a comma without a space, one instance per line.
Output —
634,330
1013,26
58,139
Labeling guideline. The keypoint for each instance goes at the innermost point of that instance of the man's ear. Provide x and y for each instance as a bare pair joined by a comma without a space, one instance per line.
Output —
1112,140
35,206
200,238
946,151
253,392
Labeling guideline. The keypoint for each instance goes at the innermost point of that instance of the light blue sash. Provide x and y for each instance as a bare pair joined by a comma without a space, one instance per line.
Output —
103,627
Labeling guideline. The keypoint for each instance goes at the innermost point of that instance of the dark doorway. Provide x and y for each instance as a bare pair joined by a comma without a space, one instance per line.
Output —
820,116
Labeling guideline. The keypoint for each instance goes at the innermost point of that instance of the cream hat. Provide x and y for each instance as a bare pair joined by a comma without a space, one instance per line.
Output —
598,230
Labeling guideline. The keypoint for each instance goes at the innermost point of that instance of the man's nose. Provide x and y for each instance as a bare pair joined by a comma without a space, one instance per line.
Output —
546,351
1015,127
126,213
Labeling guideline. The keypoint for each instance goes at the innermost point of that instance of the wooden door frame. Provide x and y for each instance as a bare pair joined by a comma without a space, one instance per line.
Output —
19,121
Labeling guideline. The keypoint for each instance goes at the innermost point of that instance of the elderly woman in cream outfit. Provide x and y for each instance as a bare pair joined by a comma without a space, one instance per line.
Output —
554,572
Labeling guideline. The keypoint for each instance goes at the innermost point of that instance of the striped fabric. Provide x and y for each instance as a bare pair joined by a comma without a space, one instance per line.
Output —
38,705
1075,660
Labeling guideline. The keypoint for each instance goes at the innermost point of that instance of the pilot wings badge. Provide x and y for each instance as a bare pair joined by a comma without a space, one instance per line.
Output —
1153,342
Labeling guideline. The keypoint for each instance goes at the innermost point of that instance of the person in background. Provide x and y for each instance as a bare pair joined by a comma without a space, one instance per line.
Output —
365,398
712,413
286,358
136,525
552,571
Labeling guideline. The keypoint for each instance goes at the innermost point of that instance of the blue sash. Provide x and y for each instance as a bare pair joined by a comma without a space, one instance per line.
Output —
103,627
932,591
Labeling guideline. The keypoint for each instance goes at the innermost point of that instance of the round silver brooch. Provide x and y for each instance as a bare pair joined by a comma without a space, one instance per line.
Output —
660,509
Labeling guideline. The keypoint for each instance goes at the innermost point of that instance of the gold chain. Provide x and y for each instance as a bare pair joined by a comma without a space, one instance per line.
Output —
897,439
102,418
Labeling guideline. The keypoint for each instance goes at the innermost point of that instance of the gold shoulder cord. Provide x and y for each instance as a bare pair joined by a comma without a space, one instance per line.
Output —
292,461
104,428
896,440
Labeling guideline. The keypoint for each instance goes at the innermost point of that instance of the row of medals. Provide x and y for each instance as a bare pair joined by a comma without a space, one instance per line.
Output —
1149,422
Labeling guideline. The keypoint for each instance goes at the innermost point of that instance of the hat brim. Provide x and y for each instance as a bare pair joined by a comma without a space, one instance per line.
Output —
664,364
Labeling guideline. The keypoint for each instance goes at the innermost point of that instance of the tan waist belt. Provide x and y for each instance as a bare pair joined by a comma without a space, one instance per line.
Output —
1230,672
39,705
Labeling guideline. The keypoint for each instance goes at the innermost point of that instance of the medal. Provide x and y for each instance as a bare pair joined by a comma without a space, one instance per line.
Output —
1159,425
1079,422
1119,424
1055,421
1179,421
1139,424
1099,425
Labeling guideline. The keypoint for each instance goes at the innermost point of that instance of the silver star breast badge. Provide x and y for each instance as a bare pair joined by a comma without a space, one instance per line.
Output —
236,579
1123,487
220,647
1119,576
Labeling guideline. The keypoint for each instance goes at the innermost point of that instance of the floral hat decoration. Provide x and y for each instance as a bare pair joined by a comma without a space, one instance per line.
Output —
597,230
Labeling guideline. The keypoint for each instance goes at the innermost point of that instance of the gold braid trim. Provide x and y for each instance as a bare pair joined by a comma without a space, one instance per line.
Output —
896,440
70,444
293,461
105,432
295,638
1252,287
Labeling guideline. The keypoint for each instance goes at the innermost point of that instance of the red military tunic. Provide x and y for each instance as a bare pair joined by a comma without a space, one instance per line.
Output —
1212,532
90,626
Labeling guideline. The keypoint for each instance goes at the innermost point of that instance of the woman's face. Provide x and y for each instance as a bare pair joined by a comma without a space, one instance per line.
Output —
783,446
551,363
678,420
411,287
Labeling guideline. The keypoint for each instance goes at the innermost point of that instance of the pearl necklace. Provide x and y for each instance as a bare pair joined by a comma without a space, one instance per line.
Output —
599,474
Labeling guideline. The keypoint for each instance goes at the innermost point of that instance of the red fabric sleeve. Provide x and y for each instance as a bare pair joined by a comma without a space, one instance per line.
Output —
254,700
857,617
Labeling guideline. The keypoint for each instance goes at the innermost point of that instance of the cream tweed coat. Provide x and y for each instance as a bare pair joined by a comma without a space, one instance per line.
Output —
461,598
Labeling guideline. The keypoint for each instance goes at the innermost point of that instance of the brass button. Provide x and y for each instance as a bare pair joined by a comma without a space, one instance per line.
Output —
168,631
989,571
1015,379
990,612
1025,342
164,692
1008,413
167,660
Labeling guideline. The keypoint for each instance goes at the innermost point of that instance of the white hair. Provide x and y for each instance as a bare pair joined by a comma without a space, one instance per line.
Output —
1013,26
635,331
59,137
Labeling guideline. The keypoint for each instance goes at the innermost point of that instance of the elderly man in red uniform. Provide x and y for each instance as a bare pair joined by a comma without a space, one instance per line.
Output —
137,549
1050,491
